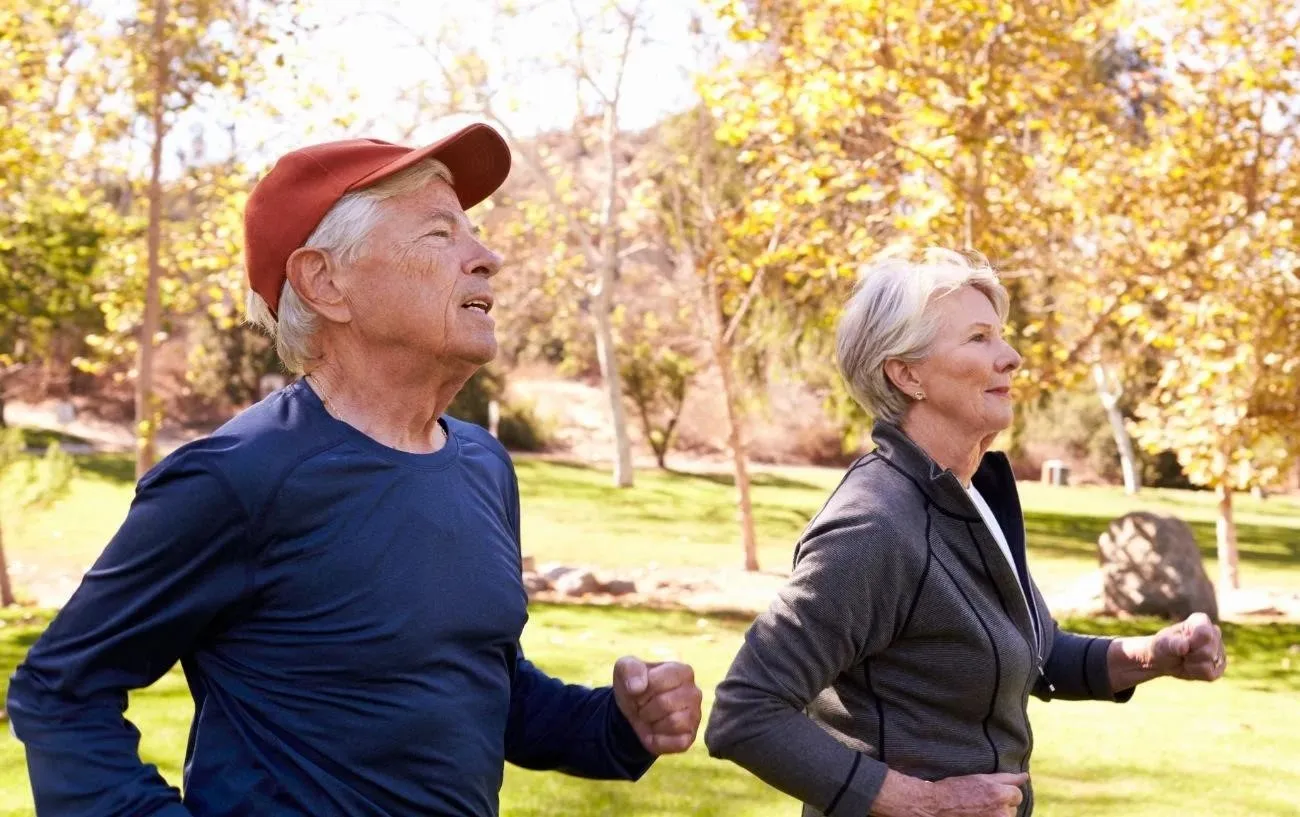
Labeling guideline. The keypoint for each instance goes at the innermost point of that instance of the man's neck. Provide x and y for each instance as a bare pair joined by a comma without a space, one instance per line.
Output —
950,448
395,402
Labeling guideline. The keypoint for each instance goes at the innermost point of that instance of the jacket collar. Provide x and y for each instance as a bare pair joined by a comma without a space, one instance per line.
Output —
939,484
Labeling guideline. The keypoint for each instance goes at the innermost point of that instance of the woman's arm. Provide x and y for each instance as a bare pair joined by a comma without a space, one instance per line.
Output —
842,603
1191,650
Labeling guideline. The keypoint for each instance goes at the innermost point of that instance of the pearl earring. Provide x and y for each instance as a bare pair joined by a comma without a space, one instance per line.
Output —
920,395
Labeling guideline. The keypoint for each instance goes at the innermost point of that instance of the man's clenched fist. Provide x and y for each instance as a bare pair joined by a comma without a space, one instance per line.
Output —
661,701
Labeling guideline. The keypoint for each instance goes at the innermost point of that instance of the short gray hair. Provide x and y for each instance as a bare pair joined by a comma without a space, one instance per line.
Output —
343,231
890,316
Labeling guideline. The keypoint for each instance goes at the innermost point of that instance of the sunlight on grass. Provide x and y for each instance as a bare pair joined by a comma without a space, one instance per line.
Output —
1177,749
572,514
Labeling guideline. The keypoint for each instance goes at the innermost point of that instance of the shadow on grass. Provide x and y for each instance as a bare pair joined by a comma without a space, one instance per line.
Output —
682,784
589,476
761,479
1071,535
1265,655
117,468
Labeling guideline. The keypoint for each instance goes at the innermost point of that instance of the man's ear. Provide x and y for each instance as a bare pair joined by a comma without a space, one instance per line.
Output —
312,273
903,377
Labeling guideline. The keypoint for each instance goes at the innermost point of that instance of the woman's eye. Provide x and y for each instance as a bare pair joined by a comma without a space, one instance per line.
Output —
980,337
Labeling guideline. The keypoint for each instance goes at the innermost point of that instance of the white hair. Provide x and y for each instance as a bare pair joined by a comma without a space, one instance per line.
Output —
343,232
891,316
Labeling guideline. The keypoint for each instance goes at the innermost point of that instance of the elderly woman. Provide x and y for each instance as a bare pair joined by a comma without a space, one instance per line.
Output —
892,674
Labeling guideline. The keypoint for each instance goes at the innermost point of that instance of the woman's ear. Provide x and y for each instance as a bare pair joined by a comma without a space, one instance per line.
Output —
903,376
311,273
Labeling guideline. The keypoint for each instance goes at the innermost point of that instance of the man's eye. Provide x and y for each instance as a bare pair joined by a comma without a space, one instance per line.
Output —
979,336
441,233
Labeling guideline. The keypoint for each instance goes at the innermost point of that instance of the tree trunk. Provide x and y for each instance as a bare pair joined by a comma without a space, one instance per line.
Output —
1123,442
607,356
146,448
735,425
1226,536
605,348
6,590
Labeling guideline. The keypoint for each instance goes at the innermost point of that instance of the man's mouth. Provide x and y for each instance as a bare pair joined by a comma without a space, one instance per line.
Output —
483,305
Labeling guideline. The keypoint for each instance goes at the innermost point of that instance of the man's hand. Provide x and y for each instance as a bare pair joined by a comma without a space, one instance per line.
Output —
1191,650
661,701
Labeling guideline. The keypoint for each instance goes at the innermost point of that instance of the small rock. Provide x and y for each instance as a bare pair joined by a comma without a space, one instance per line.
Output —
534,583
576,583
619,587
556,572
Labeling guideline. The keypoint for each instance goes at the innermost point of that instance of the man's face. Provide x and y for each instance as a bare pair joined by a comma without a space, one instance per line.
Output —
421,282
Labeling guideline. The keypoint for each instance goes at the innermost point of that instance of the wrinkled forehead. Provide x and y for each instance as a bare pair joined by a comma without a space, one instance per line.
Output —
430,202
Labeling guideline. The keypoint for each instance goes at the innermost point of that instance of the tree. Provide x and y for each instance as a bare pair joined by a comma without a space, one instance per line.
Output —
52,232
696,195
964,125
578,206
1217,259
178,58
657,377
28,482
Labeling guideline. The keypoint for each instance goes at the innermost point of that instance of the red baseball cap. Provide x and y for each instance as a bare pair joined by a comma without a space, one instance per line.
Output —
290,201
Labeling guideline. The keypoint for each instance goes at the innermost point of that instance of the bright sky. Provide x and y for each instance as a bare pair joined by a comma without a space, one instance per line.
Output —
376,54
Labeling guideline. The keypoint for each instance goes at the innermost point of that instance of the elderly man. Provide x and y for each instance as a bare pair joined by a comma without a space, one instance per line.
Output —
337,569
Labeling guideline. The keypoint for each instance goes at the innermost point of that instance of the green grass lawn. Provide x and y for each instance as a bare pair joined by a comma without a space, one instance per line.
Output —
1177,749
572,514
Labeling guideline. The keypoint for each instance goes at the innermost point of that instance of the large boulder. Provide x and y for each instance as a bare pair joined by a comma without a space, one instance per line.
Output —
1150,565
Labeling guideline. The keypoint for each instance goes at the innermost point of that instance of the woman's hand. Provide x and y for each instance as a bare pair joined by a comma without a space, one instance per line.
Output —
1191,650
975,795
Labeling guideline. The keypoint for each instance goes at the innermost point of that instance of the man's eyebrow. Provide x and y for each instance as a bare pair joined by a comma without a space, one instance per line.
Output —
454,217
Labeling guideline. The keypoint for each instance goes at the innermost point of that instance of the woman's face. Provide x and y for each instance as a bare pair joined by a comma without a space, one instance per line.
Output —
966,379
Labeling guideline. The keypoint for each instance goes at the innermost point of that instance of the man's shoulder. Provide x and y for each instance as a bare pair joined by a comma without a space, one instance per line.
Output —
474,437
253,451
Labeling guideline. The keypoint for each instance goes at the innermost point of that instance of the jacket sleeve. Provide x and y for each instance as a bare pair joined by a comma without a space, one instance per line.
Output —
571,729
179,559
1076,670
845,601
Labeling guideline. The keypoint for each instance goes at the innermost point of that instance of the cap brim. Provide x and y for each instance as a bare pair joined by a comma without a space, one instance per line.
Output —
476,155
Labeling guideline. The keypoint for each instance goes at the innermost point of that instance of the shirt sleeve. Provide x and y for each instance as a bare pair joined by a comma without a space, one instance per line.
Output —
565,727
1076,670
571,729
825,620
178,561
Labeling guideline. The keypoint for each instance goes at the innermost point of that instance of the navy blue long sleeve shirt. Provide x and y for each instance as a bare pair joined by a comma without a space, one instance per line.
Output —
347,617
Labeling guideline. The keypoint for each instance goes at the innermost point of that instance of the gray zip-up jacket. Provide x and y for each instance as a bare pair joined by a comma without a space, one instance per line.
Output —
902,641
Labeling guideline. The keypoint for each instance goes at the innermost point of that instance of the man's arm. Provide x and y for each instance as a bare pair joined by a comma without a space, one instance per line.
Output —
569,728
177,561
587,732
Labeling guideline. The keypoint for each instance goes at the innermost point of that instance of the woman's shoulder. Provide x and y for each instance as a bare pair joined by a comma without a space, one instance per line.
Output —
873,487
873,507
